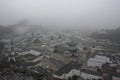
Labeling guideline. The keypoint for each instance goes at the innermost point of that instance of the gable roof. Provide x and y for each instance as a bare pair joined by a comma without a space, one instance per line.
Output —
68,67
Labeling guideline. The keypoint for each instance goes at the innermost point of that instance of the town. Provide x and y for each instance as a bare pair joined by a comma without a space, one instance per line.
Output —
59,56
59,39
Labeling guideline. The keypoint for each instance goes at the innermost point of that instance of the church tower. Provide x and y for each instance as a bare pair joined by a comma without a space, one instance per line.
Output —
12,52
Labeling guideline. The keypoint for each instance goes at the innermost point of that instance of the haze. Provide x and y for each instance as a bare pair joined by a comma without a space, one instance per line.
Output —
82,14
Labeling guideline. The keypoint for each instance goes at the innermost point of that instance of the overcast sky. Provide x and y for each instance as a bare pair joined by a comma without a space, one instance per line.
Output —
62,13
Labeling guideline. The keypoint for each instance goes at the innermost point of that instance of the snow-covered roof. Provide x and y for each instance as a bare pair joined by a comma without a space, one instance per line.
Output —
99,58
36,53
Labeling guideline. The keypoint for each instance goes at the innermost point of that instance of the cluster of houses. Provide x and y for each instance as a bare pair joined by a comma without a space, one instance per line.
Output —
64,58
100,66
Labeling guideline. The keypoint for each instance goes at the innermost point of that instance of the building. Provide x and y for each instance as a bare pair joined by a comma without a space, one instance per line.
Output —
74,69
68,70
97,61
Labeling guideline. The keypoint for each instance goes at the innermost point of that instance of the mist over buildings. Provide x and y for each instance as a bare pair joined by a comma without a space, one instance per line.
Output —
59,39
61,14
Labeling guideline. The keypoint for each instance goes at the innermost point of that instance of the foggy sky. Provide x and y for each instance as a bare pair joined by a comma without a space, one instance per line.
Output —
83,14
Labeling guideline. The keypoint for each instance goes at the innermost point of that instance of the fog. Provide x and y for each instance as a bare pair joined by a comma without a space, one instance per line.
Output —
82,14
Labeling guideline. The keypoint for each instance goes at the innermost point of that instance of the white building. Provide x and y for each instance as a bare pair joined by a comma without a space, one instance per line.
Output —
98,61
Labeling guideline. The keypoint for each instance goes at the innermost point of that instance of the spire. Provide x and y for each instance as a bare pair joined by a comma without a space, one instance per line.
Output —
12,45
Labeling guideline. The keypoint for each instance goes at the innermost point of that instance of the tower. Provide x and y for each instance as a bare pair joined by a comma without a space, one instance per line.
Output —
11,56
